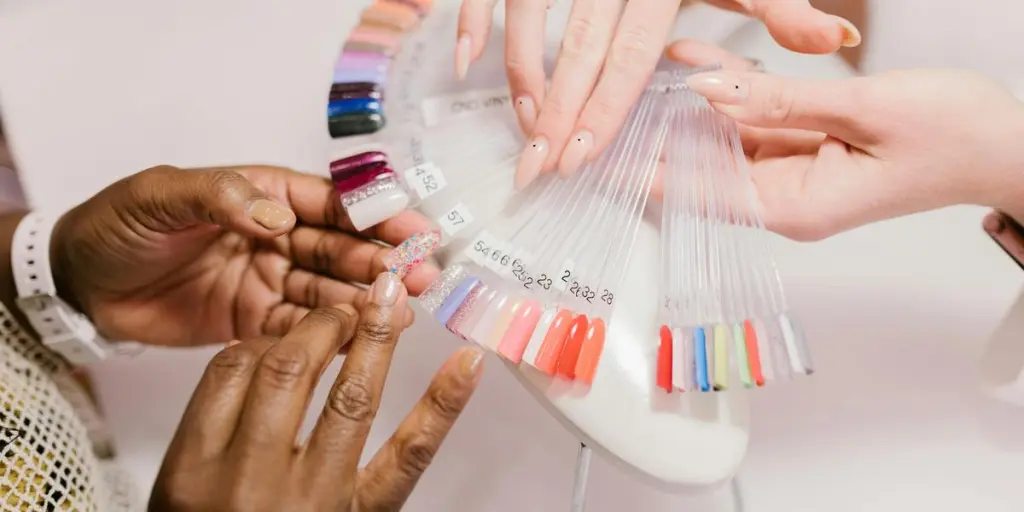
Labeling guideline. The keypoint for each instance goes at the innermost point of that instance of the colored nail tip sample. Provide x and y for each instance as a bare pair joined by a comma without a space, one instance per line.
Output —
721,357
360,46
455,300
360,74
679,360
379,186
794,337
502,323
764,349
742,358
362,60
348,125
481,305
352,163
353,181
753,352
573,345
375,205
387,39
346,91
391,14
482,331
422,8
459,319
513,343
537,337
554,342
412,252
434,296
366,106
590,355
700,357
663,374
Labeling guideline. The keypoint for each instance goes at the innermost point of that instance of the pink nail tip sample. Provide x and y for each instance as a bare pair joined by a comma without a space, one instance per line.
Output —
354,180
413,251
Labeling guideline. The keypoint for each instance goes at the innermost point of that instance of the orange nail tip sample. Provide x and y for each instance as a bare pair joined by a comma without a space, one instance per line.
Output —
664,364
753,353
520,330
554,341
566,367
590,355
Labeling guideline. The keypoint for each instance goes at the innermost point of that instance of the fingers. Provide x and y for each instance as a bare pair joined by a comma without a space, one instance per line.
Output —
166,198
524,57
799,27
337,440
389,478
834,107
211,416
632,57
698,53
474,29
348,258
584,45
284,380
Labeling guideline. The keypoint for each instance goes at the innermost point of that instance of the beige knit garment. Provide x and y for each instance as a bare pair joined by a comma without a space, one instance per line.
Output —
55,453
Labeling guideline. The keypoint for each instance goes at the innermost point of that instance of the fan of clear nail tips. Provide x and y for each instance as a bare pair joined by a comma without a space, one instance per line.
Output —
724,320
538,283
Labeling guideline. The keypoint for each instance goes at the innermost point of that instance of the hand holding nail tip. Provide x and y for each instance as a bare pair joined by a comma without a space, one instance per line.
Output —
412,252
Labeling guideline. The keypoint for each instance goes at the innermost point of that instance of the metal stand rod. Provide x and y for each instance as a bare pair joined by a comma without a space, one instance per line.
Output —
579,488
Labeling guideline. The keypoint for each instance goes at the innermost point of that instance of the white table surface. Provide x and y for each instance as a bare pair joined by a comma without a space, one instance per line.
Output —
897,314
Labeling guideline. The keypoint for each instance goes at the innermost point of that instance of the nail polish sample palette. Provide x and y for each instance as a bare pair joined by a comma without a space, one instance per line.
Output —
434,172
723,315
355,104
538,284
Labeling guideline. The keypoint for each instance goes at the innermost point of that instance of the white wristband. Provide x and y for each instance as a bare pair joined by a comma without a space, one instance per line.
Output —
61,328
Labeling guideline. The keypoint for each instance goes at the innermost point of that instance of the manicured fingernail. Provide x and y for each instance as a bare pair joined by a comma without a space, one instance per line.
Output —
851,36
531,161
470,362
462,57
270,214
385,289
746,5
576,152
527,111
232,343
719,87
993,223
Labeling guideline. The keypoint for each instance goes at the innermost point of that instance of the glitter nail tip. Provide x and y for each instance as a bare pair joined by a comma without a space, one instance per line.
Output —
438,291
375,203
412,252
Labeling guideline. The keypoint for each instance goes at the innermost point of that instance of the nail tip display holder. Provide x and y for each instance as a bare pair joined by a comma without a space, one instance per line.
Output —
676,441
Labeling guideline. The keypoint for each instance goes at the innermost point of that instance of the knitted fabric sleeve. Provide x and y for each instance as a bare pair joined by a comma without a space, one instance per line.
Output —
55,453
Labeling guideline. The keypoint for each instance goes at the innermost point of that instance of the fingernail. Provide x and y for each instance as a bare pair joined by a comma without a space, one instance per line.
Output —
470,362
851,36
232,343
462,57
531,161
270,214
576,152
385,289
718,87
993,223
526,110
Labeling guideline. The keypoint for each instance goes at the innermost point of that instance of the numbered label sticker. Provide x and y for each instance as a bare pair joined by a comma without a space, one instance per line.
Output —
425,179
565,275
455,220
481,248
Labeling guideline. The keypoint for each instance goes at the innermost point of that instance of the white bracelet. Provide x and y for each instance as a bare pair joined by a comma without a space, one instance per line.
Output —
61,328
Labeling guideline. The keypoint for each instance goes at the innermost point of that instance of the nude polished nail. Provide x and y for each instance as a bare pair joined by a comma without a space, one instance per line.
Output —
719,87
530,163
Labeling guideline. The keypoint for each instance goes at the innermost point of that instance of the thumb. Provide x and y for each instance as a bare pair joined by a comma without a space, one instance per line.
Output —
833,107
168,199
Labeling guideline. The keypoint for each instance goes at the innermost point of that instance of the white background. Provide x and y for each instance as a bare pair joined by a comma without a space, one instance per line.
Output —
897,314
